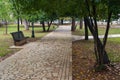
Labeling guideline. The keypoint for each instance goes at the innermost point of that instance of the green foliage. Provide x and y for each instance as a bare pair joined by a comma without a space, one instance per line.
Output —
5,11
34,10
62,8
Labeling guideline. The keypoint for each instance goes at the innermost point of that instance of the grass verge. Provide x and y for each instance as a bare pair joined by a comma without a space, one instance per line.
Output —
101,31
6,39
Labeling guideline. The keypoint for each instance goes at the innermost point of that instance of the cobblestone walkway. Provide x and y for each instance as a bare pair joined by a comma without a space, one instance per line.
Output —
47,59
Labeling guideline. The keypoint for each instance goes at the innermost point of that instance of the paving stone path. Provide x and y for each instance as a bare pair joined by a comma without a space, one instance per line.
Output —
47,59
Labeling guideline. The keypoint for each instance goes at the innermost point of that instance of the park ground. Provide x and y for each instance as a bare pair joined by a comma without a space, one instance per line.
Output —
83,55
48,58
84,59
6,39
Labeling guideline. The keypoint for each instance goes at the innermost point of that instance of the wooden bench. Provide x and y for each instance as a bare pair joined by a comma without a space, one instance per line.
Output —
19,38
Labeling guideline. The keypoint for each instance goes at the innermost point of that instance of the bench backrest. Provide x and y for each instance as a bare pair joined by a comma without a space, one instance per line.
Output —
17,36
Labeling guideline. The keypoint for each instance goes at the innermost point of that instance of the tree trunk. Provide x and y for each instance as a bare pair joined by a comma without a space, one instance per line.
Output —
21,21
81,24
6,26
6,31
49,25
18,22
33,33
43,26
101,56
107,29
26,24
73,24
29,24
100,53
86,30
61,22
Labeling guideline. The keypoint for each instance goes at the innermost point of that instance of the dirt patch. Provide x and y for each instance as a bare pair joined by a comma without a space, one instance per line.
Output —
83,64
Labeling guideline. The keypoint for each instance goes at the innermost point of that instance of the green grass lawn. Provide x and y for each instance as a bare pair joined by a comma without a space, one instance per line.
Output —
113,44
101,31
6,40
113,49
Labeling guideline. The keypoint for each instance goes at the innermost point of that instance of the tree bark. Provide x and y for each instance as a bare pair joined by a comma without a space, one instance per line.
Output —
43,26
49,25
18,22
100,53
26,24
81,24
61,22
33,33
86,30
21,21
102,57
73,24
107,29
6,26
